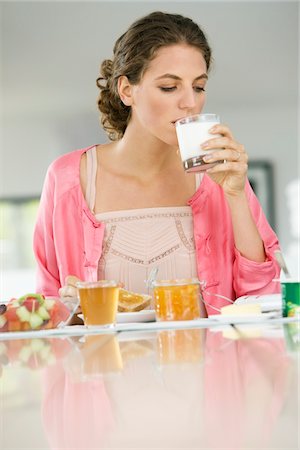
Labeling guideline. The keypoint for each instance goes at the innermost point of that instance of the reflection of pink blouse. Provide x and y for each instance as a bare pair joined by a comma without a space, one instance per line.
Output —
137,240
231,399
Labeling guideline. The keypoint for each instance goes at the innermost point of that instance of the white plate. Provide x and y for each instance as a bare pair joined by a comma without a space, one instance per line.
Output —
268,302
244,319
146,315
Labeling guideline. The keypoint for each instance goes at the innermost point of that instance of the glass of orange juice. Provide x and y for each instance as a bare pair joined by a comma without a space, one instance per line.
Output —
99,302
177,299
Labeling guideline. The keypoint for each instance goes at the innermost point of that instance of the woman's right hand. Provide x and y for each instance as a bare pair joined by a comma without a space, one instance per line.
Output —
70,290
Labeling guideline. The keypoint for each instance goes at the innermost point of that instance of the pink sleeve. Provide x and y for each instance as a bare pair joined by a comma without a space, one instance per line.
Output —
251,277
47,278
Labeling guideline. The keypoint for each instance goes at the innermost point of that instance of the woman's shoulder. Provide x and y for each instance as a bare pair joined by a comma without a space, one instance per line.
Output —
69,160
63,174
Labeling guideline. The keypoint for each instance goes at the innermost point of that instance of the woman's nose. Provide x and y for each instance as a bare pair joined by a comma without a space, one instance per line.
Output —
188,99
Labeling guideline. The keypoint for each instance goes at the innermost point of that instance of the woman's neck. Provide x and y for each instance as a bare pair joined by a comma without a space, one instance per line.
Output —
145,152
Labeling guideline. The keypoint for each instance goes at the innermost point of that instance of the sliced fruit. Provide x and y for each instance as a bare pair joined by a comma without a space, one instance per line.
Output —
35,320
48,303
39,297
23,314
14,325
11,313
14,303
3,320
59,313
43,313
32,304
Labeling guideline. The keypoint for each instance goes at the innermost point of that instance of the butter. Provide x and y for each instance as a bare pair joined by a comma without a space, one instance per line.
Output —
241,310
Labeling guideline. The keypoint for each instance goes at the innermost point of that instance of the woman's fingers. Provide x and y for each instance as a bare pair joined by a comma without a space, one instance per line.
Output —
222,129
71,280
69,289
228,155
229,166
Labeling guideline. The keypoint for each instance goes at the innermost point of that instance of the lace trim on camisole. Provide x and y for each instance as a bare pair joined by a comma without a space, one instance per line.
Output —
139,239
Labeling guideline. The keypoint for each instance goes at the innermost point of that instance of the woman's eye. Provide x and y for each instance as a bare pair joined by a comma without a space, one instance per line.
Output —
199,89
168,89
173,88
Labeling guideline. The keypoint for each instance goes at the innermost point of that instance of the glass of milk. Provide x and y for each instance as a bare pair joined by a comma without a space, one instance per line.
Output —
192,131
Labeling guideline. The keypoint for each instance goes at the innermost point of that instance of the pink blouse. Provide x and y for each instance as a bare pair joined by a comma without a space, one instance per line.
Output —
68,239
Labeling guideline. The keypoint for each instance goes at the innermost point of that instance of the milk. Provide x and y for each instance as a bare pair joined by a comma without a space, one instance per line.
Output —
191,133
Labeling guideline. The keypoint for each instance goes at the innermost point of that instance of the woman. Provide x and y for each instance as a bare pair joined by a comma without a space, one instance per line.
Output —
119,209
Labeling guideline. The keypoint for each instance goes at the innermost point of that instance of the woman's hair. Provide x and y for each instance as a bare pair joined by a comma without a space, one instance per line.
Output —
133,52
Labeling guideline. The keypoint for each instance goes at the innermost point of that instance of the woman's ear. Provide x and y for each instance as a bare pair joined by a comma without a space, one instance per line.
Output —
125,90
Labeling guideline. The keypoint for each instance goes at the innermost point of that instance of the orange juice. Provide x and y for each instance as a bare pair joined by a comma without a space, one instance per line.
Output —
99,302
180,346
177,299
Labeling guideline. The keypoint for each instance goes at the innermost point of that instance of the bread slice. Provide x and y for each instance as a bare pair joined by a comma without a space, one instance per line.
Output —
131,301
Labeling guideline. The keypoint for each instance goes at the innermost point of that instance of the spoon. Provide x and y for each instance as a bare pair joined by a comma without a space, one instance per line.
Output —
280,259
151,278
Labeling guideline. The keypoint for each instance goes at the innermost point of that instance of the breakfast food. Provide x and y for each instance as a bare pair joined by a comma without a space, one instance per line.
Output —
131,301
32,312
177,299
128,301
241,310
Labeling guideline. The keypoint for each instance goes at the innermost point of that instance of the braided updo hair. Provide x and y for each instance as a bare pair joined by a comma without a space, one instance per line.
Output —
133,52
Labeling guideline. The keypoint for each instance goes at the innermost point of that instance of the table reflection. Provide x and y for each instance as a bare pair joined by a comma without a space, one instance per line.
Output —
179,388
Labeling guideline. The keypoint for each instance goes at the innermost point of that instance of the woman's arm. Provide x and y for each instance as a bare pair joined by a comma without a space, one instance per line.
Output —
232,176
246,236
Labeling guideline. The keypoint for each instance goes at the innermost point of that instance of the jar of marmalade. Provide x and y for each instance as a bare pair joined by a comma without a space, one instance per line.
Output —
178,299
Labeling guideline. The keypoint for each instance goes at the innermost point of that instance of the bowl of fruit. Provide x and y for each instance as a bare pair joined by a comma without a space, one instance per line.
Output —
35,312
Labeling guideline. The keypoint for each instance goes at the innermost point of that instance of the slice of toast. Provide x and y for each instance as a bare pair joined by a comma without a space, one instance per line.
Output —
131,301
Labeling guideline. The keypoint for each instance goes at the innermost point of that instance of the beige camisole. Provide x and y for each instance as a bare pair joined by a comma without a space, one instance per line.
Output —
137,240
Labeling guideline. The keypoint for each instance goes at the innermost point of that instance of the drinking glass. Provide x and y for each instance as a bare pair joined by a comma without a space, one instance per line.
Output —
99,301
192,131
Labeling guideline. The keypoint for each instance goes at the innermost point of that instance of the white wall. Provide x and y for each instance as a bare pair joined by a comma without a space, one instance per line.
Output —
51,52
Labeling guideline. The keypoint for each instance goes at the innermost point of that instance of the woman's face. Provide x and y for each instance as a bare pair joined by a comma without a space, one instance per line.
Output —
172,87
